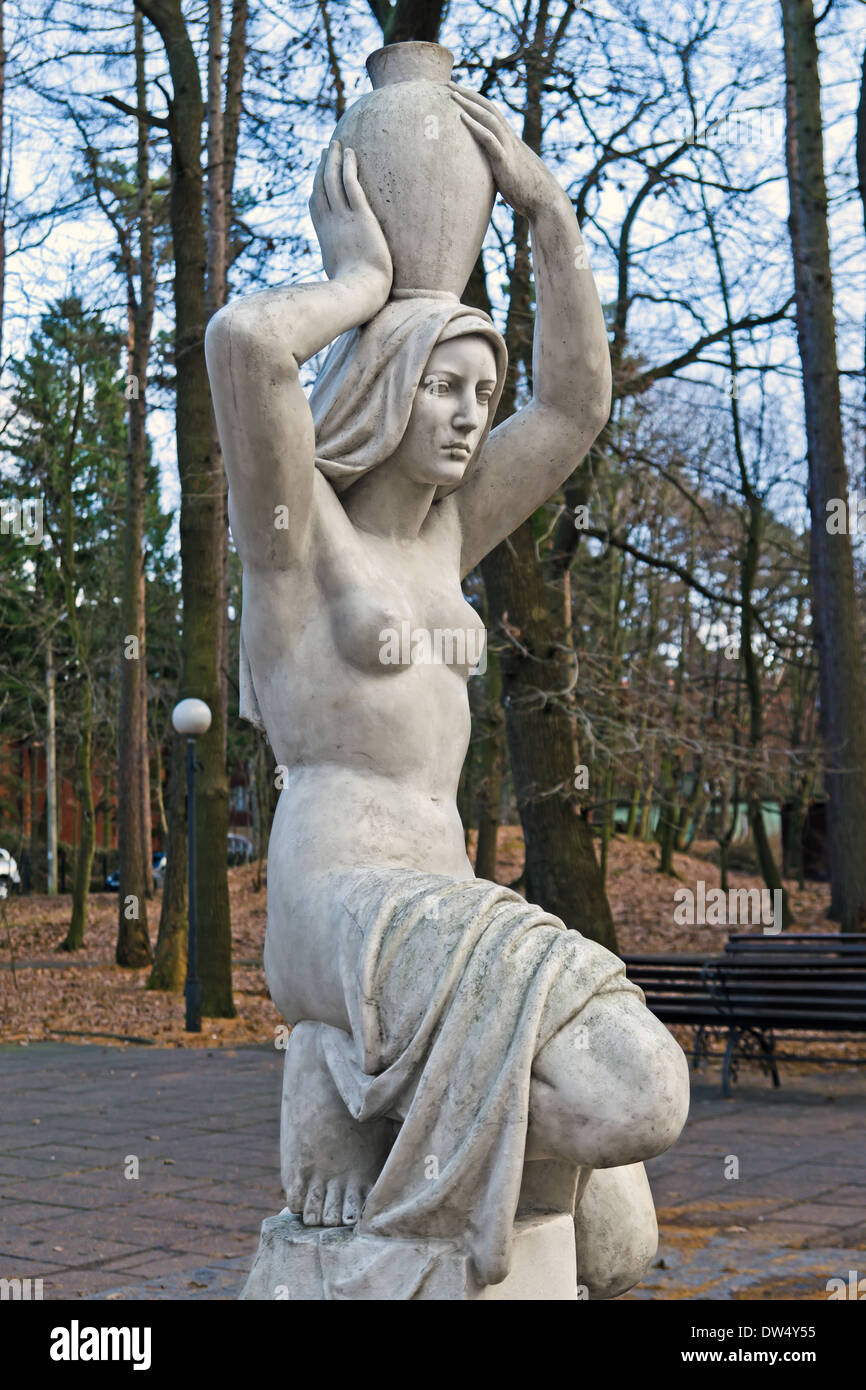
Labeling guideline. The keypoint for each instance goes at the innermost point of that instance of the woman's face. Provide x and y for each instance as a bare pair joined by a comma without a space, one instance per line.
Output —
450,411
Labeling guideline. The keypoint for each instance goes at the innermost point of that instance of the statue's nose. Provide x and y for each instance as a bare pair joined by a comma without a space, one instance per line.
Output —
466,414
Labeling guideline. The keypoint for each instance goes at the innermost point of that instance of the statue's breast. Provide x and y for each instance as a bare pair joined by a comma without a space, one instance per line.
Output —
363,625
393,605
389,634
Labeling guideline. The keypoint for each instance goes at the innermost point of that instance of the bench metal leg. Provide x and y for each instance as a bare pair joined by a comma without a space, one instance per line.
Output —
729,1065
751,1044
768,1061
700,1048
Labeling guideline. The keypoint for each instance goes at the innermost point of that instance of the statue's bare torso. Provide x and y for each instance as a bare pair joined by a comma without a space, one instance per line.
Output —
369,751
326,689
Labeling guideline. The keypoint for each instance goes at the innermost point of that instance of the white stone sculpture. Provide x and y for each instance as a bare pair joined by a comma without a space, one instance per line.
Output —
470,1089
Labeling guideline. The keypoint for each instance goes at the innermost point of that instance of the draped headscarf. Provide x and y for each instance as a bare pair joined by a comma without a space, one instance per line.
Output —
364,393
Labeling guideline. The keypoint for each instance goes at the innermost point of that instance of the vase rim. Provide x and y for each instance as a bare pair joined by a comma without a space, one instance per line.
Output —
412,61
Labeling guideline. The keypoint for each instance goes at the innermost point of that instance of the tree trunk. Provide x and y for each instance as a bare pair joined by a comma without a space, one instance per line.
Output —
842,680
766,861
406,20
490,791
748,572
50,773
158,792
85,839
144,765
4,191
74,938
105,807
86,843
169,966
724,838
231,122
218,198
861,171
692,810
202,526
538,675
669,809
672,763
133,800
562,873
799,803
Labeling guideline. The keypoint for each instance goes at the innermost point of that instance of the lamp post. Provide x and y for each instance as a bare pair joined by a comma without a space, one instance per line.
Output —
191,718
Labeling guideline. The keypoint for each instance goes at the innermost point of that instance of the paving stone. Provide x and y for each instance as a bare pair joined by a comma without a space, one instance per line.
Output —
28,1213
855,1195
73,1252
785,1186
217,1193
855,1237
217,1280
189,1229
776,1236
21,1267
153,1264
731,1266
80,1283
817,1212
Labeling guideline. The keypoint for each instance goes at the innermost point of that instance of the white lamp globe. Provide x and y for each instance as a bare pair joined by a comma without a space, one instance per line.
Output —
191,717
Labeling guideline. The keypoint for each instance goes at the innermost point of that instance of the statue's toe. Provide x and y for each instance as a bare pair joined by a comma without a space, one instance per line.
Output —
332,1211
313,1204
353,1203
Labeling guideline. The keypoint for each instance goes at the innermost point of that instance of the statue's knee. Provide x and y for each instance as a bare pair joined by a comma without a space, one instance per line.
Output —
658,1097
611,1088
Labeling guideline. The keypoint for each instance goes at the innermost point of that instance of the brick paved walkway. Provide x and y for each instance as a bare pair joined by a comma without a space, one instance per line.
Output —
205,1129
796,1213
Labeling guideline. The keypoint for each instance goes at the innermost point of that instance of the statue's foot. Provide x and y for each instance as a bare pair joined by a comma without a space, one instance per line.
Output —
330,1160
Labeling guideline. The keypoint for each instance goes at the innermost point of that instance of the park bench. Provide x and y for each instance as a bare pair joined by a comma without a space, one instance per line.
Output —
677,991
794,981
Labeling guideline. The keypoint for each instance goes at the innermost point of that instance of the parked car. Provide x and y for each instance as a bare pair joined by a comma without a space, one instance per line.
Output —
240,849
10,879
112,883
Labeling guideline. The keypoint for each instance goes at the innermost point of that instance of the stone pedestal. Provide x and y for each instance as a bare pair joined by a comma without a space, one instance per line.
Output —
297,1262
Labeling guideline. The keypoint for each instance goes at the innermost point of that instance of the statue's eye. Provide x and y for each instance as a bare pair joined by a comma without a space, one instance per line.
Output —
484,397
436,386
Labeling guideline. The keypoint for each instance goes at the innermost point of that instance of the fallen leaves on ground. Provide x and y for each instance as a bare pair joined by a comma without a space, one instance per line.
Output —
85,997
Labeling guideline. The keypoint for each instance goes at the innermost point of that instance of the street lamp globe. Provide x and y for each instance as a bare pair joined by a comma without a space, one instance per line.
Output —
191,717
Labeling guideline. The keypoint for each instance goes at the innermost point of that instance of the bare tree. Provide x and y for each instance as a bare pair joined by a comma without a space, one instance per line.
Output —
840,651
133,779
202,522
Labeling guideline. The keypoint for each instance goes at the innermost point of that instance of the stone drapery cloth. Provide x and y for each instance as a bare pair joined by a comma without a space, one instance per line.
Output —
452,987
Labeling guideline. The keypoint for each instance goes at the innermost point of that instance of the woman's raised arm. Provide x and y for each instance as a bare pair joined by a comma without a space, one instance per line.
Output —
254,347
530,455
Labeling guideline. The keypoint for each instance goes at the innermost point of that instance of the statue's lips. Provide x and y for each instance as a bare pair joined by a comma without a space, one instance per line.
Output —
457,448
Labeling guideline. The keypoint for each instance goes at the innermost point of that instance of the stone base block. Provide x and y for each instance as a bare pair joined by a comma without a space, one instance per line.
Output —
297,1262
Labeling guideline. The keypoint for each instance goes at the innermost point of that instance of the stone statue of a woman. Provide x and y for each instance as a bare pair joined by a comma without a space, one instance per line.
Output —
448,1035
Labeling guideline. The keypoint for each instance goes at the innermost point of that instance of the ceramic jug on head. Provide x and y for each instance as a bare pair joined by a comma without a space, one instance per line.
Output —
425,177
